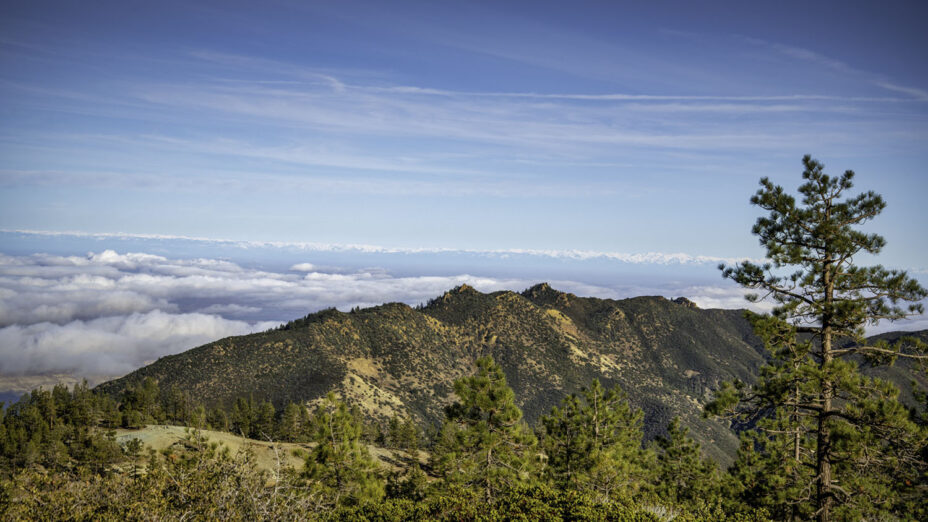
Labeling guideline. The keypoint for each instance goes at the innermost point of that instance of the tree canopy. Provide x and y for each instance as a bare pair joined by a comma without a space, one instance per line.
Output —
836,442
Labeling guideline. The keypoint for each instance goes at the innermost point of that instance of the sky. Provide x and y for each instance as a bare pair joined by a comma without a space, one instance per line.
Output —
173,172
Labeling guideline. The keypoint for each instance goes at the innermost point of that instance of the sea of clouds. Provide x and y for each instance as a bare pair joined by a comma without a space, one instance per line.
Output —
108,313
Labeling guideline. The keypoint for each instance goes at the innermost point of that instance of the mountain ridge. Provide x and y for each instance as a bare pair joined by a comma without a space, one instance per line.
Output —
668,355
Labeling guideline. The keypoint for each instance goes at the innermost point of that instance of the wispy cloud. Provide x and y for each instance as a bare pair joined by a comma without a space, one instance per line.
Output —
251,123
806,55
311,183
809,56
627,97
481,118
918,94
572,123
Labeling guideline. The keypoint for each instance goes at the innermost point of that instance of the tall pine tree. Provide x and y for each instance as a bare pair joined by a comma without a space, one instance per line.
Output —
813,408
684,475
484,445
340,464
593,444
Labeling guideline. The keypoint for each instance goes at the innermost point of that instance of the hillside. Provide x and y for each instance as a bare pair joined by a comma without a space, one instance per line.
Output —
668,355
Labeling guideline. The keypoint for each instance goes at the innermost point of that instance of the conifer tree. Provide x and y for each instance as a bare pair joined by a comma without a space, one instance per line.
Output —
484,445
243,416
294,423
142,403
684,475
264,427
812,407
340,464
408,436
593,443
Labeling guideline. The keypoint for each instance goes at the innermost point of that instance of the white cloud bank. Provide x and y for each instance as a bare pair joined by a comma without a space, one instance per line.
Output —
109,345
109,313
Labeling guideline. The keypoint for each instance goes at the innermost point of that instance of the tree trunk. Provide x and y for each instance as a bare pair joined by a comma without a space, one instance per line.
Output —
824,498
487,477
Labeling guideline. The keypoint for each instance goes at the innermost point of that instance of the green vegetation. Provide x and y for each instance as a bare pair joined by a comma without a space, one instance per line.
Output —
593,444
395,361
340,467
578,408
684,475
826,441
486,463
52,429
483,444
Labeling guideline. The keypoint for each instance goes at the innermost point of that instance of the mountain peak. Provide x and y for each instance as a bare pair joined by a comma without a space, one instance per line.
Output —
539,290
463,288
541,287
543,293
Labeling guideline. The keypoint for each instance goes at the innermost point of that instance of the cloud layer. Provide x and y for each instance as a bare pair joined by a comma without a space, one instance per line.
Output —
109,345
109,313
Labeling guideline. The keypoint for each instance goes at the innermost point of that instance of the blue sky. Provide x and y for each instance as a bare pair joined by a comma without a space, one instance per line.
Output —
486,139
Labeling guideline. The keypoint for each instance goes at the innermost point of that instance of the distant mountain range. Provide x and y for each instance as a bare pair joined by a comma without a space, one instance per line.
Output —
668,355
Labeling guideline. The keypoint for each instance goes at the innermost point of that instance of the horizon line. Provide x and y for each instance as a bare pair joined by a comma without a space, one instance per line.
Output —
656,258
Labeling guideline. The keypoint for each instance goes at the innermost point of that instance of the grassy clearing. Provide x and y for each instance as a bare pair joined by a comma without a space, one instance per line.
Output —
160,437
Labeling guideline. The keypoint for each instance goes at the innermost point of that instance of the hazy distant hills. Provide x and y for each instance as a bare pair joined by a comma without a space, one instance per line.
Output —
668,355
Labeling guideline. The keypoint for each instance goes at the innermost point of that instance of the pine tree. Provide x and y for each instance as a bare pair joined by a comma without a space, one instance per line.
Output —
484,445
684,475
340,464
141,404
811,403
593,443
264,426
294,423
408,436
243,416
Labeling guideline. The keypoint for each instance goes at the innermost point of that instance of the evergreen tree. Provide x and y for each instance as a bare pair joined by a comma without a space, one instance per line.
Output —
401,434
145,399
197,417
391,435
593,443
294,423
243,417
684,476
340,464
483,444
264,427
407,437
177,405
811,403
218,419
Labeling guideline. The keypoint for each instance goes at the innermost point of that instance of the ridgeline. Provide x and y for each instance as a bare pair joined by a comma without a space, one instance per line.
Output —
394,359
